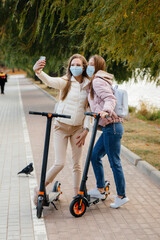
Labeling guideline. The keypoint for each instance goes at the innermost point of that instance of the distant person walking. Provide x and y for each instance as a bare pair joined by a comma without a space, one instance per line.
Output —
3,80
73,101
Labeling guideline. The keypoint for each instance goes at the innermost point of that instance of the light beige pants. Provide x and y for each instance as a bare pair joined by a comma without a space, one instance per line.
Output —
63,133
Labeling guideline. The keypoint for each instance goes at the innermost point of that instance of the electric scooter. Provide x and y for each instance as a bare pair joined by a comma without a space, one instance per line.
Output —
83,199
45,199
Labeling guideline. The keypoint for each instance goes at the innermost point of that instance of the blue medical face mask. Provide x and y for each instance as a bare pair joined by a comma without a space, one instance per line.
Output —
90,71
76,70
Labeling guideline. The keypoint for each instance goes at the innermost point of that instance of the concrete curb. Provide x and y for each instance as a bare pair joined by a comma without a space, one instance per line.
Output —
150,171
132,157
143,166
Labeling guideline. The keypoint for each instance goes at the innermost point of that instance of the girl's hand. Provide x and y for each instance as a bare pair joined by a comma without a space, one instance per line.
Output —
81,138
103,114
39,65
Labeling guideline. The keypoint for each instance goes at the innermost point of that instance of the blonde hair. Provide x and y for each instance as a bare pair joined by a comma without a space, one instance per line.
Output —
69,74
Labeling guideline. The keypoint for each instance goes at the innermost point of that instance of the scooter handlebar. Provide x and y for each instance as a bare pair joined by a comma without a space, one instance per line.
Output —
92,114
35,113
50,114
63,116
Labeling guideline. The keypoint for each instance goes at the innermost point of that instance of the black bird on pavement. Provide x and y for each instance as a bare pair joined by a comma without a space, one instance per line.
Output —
27,170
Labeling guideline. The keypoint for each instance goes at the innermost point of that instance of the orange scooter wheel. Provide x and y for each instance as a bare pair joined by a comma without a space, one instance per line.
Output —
77,207
57,188
106,189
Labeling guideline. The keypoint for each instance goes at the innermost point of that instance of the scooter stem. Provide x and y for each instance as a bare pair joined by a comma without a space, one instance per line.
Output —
45,154
85,172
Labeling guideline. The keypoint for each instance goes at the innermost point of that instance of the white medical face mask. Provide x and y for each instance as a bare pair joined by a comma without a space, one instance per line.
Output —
76,70
90,71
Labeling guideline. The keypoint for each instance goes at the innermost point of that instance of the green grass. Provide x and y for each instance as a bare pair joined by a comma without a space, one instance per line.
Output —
143,138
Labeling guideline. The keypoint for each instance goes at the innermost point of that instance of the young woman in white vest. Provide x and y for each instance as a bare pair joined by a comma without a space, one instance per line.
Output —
73,101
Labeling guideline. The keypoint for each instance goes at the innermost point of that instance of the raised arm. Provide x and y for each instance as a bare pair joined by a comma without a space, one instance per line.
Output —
55,82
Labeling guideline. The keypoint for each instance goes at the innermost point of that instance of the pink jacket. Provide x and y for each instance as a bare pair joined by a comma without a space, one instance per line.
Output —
104,100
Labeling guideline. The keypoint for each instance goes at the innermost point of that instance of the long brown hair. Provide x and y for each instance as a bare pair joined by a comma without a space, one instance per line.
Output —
69,74
99,64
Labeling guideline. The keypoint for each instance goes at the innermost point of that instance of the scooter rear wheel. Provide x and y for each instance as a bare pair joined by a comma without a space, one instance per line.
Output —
106,188
75,209
39,206
56,188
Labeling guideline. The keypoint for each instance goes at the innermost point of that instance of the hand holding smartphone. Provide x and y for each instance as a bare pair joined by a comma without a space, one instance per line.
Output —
39,65
42,58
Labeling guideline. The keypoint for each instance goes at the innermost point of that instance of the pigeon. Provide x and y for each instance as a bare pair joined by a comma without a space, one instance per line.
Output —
27,170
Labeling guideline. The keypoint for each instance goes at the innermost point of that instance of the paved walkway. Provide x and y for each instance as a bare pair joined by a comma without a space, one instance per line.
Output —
21,142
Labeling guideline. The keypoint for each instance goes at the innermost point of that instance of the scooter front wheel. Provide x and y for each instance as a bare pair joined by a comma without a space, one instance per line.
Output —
78,207
39,206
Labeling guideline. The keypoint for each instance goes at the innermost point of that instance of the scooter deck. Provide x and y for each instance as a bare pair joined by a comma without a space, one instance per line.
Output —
53,196
94,200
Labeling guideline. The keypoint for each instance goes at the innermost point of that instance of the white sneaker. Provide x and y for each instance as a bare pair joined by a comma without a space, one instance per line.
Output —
119,202
96,194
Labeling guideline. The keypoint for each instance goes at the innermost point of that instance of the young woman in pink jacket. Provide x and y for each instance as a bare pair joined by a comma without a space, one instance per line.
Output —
73,101
102,100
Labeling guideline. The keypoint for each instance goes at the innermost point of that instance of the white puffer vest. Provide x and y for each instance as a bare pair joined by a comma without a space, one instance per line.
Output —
75,102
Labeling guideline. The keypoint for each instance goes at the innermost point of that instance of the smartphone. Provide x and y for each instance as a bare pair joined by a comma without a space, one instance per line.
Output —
42,58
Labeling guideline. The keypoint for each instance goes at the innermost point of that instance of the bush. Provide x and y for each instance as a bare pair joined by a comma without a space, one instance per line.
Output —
148,112
131,109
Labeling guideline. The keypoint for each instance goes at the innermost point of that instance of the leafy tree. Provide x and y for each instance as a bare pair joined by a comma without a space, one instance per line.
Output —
125,33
